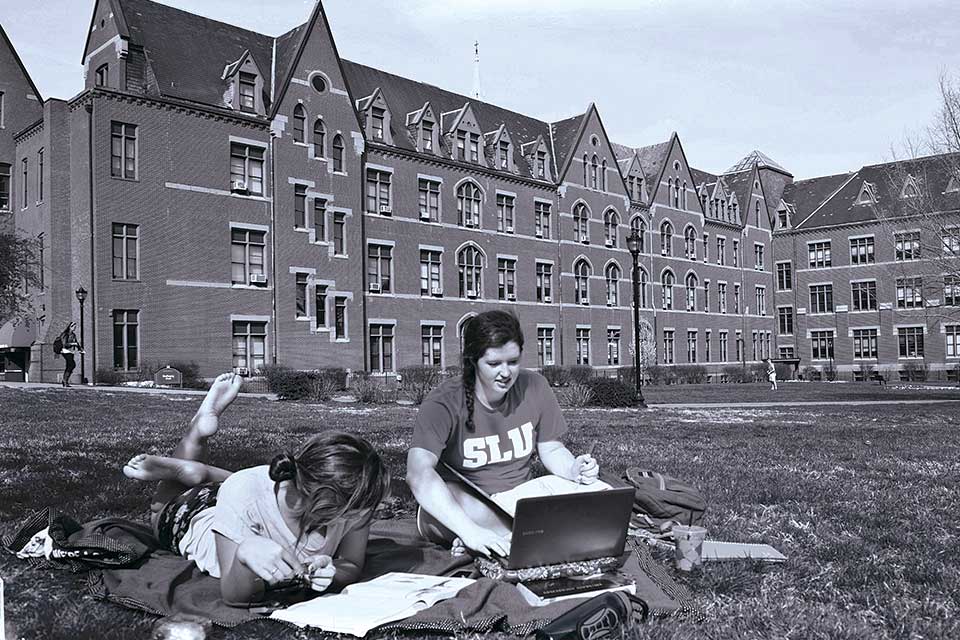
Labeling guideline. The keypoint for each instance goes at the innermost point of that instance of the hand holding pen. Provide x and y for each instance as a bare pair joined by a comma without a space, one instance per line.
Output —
588,469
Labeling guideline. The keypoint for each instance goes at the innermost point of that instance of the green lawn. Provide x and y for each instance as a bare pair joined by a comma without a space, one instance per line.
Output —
863,500
800,392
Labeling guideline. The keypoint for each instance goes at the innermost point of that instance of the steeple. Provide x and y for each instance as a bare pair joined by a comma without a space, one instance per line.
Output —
476,69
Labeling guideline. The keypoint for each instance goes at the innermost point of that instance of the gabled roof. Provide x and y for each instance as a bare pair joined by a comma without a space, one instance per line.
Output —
117,15
760,159
740,184
565,135
807,195
23,69
702,177
652,159
287,47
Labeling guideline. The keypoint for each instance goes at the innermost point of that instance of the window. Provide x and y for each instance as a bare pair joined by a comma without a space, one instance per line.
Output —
761,300
299,123
474,147
470,271
691,291
376,123
643,288
723,346
503,151
430,282
785,321
126,339
319,83
581,223
125,251
951,291
593,172
950,241
320,219
24,170
541,164
666,285
301,295
300,206
784,276
339,233
721,251
504,213
736,253
461,145
101,76
583,345
821,345
426,135
248,88
544,282
638,225
545,346
736,298
706,248
581,282
320,300
783,219
506,279
910,341
909,293
821,298
722,297
319,139
429,191
865,344
952,332
41,263
706,345
246,168
611,221
691,346
378,192
668,347
862,251
381,347
819,254
123,150
340,318
907,246
337,153
787,353
542,225
4,186
249,346
431,345
468,205
612,277
754,352
864,295
40,176
247,256
690,244
666,239
379,263
613,346
758,257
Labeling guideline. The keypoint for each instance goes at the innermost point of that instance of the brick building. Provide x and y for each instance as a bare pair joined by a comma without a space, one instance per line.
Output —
259,199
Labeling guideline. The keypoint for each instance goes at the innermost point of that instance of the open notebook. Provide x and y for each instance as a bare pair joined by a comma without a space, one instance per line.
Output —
365,605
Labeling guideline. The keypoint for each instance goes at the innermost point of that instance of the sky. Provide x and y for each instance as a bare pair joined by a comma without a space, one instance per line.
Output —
821,87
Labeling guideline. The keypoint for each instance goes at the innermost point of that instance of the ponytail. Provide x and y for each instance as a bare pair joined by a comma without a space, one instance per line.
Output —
283,467
469,390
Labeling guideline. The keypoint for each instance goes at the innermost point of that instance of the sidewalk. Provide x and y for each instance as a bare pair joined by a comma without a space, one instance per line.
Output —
34,386
807,403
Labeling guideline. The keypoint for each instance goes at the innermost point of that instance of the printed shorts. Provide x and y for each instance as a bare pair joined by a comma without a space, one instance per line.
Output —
174,519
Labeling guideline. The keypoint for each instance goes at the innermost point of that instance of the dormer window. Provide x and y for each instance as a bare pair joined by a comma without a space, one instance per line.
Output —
102,77
247,90
541,164
504,154
867,195
461,145
783,219
376,123
426,135
910,189
474,147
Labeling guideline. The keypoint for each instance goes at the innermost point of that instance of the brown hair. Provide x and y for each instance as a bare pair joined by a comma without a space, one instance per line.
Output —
488,330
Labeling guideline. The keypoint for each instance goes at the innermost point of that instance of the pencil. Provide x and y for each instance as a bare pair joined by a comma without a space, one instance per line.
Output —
593,446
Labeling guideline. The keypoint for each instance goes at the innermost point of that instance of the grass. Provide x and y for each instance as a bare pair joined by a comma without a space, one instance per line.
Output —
862,500
800,392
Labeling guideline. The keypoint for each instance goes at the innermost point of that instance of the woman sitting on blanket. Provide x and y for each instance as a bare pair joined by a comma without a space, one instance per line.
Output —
485,425
302,519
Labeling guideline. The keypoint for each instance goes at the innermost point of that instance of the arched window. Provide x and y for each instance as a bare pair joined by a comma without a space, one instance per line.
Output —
685,195
299,123
666,285
644,280
338,153
611,220
470,269
676,194
581,223
603,175
690,243
468,205
758,214
613,285
581,280
593,172
638,225
585,183
319,139
691,286
666,239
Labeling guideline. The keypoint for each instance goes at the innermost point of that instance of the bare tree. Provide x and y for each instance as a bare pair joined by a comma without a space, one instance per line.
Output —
18,273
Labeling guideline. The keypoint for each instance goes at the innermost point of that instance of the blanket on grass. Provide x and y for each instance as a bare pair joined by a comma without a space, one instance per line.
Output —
127,567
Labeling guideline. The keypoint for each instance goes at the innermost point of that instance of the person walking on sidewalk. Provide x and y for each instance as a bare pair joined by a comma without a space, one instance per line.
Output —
69,346
771,374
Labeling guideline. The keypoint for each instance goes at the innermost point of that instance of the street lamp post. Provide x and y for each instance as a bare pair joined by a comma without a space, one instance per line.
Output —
81,294
634,242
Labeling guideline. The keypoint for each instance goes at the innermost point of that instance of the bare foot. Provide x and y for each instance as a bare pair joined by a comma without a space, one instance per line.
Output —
223,391
149,468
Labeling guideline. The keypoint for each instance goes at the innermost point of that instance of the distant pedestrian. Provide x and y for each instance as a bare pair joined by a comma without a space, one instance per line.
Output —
69,345
771,374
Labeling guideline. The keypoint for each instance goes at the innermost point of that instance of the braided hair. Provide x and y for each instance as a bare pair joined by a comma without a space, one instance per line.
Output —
488,330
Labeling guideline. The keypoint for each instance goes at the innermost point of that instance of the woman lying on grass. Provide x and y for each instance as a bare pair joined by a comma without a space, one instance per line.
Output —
304,518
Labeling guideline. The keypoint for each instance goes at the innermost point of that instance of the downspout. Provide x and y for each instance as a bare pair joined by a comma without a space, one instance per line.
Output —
365,340
93,262
560,194
273,212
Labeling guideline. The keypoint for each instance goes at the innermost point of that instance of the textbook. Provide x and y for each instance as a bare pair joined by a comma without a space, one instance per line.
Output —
543,592
544,486
365,605
715,550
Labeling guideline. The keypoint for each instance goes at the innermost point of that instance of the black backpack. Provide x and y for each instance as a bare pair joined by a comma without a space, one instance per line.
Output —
660,501
58,345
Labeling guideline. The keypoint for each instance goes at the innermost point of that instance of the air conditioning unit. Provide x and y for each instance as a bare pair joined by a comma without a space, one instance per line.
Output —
385,208
585,301
238,186
548,298
258,278
471,294
424,214
538,234
510,229
511,296
436,290
243,371
374,287
585,240
608,243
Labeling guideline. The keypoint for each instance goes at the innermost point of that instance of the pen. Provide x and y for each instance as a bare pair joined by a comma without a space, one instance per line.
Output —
593,446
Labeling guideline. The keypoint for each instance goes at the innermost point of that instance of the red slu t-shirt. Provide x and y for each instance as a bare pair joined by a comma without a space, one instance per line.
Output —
497,455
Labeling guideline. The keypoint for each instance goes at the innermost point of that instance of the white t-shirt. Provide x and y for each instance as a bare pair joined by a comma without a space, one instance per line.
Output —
246,506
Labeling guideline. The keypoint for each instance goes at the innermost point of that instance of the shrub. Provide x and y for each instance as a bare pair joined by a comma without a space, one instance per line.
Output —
916,372
830,371
736,373
607,392
109,377
784,371
757,372
419,380
656,373
691,373
575,395
556,375
627,375
810,373
291,384
366,390
867,371
580,373
189,370
452,371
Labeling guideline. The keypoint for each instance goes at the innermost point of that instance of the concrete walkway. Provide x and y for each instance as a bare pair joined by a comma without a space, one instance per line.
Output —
764,405
35,386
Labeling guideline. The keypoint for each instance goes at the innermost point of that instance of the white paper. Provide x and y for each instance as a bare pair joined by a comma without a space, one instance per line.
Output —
544,486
